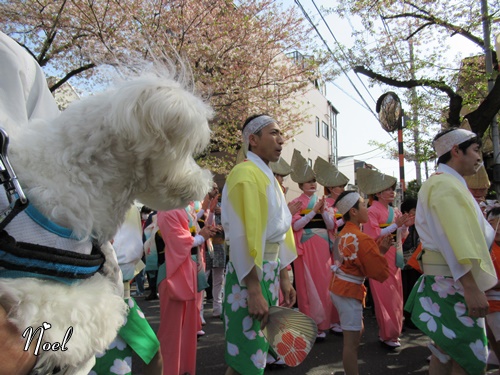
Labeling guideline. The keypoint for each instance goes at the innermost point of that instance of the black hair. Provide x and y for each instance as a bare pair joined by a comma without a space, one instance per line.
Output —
346,216
408,204
146,210
259,133
445,158
495,211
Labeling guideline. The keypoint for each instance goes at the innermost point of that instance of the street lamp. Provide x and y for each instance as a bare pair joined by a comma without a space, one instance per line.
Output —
390,114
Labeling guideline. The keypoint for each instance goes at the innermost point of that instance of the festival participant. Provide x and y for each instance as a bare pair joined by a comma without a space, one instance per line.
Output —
256,223
478,184
311,226
136,336
448,303
493,295
361,257
178,289
334,183
384,219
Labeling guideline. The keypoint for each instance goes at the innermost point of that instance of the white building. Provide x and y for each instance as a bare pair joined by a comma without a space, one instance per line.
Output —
317,136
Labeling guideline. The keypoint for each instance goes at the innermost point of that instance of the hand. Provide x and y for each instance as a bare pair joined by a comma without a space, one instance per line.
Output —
384,243
402,220
217,210
213,202
475,300
319,206
258,308
289,294
294,207
410,221
208,231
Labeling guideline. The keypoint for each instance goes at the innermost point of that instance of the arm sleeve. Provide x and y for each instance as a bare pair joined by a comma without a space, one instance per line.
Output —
210,219
198,240
200,214
174,227
330,224
387,230
303,221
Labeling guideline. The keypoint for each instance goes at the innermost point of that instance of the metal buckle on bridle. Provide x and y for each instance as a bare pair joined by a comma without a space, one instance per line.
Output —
8,177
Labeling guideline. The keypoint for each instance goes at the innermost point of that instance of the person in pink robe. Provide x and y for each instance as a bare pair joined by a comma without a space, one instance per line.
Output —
312,267
383,220
179,313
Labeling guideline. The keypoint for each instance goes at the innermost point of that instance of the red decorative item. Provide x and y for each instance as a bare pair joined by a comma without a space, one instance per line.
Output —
290,334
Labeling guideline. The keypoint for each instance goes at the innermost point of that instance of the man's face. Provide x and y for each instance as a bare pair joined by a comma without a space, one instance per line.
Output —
362,211
470,160
269,144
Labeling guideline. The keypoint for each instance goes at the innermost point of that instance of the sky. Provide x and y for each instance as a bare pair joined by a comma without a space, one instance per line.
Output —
357,125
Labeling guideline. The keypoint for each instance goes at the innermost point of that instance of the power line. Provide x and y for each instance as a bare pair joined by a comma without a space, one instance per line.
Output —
340,47
306,15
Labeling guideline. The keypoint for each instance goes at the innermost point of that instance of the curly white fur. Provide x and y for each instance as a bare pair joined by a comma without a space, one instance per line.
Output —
83,170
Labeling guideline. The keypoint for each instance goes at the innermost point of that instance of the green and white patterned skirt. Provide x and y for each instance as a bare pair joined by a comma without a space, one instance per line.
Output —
438,309
246,346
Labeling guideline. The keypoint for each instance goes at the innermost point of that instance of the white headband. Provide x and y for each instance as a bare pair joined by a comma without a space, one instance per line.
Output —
255,125
347,202
455,137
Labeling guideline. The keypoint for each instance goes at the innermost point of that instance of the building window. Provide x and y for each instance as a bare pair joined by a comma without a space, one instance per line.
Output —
326,130
317,127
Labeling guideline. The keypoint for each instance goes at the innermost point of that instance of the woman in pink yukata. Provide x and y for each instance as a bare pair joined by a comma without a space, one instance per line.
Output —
383,220
334,183
311,226
177,286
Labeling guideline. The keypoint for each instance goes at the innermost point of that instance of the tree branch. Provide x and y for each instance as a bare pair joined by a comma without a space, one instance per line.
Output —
481,118
73,73
455,99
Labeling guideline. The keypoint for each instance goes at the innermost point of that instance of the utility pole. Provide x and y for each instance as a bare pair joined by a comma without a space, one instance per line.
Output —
489,71
414,110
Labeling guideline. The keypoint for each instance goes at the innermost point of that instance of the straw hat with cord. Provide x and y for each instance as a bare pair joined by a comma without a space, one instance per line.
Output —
327,174
301,170
373,182
281,167
478,180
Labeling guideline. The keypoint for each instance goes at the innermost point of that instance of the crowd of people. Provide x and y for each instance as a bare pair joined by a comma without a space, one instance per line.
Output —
321,254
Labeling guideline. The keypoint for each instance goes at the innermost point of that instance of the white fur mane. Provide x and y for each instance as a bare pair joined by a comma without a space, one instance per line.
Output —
85,168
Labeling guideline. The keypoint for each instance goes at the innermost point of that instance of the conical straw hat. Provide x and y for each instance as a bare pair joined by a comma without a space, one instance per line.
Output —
281,167
328,175
372,182
291,334
478,180
301,171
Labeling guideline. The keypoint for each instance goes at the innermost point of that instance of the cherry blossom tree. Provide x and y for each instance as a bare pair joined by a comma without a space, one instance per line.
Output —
235,50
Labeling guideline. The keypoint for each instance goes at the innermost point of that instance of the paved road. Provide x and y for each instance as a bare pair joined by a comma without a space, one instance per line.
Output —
325,357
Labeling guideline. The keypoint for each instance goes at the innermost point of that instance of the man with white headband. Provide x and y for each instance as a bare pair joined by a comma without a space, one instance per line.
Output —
257,225
448,302
360,257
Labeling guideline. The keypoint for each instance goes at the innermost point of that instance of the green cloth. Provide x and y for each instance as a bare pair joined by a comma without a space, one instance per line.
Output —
135,336
437,307
246,347
452,206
